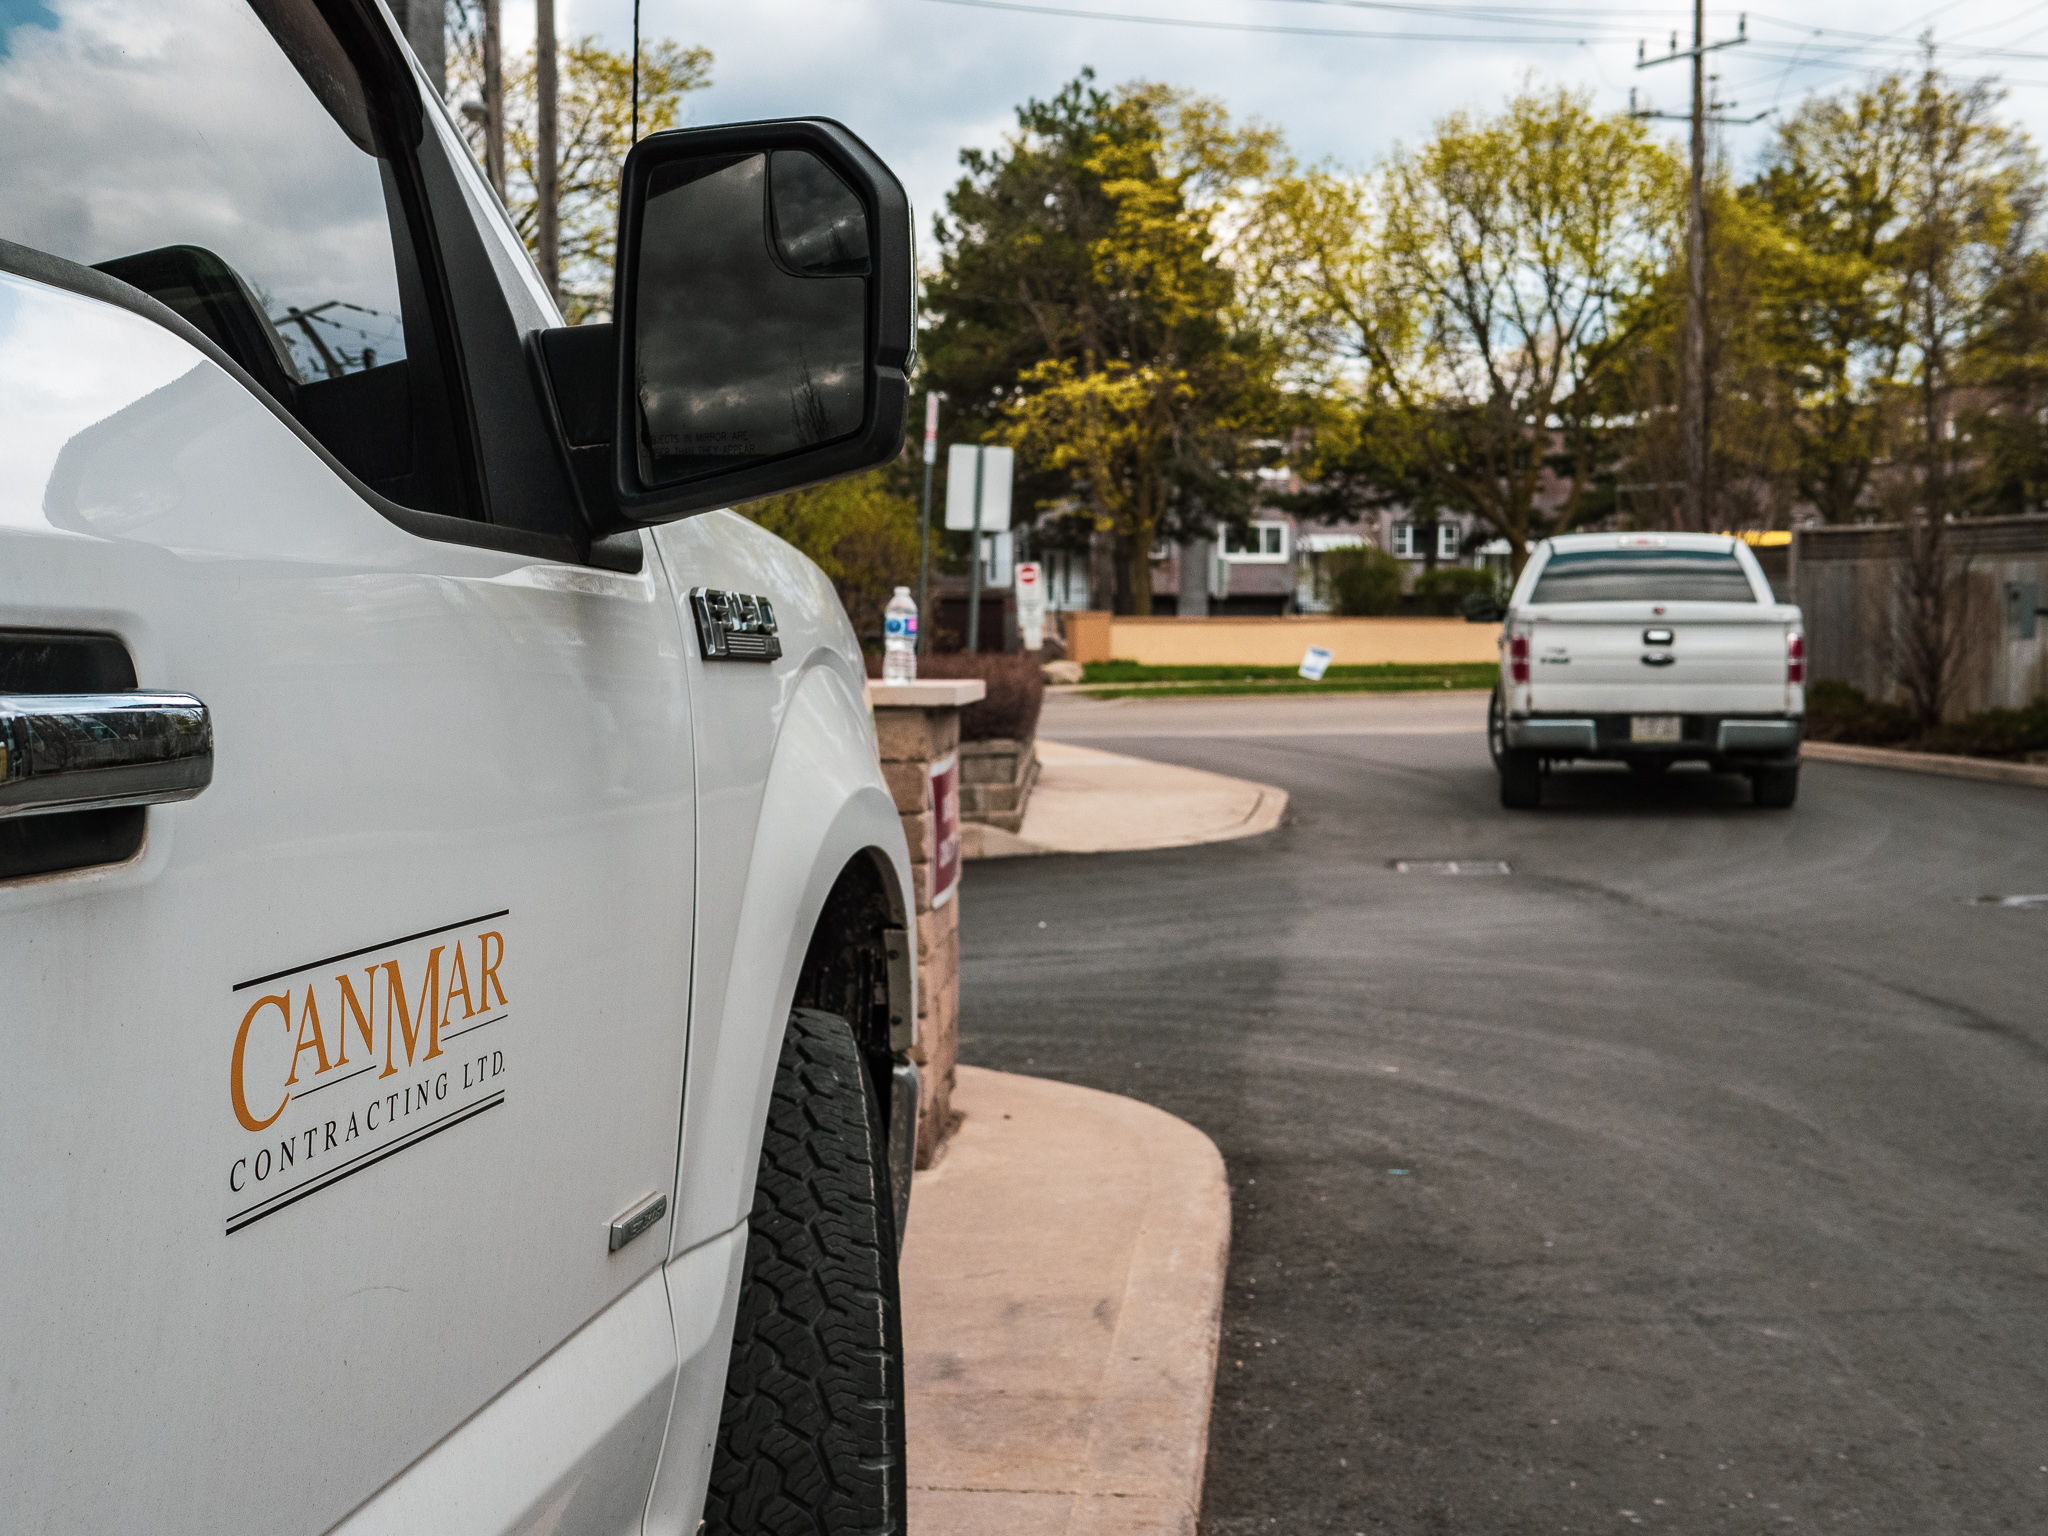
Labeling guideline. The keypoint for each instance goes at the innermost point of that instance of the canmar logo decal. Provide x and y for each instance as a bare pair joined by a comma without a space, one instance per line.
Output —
338,1064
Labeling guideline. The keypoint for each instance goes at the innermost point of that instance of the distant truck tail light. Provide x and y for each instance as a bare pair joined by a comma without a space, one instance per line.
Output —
1795,657
1518,658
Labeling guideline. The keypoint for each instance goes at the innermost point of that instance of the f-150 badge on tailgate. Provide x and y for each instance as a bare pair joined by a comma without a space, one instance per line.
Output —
731,626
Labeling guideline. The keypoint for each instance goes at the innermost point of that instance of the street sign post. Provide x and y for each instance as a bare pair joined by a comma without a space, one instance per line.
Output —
978,498
1031,604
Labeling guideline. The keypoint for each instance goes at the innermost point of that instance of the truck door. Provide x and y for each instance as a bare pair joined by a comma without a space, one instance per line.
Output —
341,1093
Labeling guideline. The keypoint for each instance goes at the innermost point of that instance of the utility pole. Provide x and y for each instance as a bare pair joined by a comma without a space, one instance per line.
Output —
924,525
1695,388
494,99
546,170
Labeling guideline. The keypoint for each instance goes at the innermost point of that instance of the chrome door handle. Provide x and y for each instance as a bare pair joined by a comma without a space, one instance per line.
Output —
89,751
1658,658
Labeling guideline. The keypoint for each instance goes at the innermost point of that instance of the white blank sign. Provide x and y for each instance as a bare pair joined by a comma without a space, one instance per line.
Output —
997,466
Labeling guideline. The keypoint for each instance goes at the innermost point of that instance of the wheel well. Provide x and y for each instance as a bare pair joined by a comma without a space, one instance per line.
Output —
847,969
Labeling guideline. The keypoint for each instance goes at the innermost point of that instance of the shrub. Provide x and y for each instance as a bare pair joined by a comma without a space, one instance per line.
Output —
1016,691
1992,733
1444,591
1361,581
1838,711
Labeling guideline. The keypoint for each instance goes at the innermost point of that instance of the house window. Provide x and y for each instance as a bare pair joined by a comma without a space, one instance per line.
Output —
1261,541
1410,538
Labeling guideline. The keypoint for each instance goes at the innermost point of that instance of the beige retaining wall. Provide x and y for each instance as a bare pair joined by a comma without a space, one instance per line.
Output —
1275,642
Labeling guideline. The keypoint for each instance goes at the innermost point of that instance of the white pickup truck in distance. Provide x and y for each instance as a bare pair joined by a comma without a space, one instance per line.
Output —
1649,649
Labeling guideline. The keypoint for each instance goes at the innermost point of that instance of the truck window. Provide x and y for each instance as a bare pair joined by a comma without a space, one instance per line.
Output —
1643,576
223,156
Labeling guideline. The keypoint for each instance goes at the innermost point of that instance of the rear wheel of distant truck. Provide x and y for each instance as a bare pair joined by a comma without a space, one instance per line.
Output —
1521,779
811,1439
1496,728
1775,788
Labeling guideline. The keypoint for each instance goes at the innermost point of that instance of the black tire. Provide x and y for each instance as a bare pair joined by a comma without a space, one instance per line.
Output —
810,1441
1775,789
1496,727
1521,779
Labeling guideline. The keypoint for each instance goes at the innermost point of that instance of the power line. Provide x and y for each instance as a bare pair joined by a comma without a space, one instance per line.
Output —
1254,26
1568,17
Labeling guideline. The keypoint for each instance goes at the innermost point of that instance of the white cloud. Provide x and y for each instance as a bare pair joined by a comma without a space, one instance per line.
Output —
919,79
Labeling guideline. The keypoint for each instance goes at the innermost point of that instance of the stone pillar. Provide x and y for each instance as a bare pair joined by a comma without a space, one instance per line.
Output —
917,726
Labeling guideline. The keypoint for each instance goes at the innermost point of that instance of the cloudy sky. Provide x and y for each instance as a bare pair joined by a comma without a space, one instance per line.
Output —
920,78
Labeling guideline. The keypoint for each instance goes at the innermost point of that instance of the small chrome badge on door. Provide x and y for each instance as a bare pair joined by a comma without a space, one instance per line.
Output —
732,626
631,1223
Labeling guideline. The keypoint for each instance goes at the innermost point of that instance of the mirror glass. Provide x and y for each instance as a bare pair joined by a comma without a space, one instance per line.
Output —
750,314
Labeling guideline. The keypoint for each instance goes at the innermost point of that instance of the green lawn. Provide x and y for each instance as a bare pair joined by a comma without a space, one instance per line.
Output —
1130,679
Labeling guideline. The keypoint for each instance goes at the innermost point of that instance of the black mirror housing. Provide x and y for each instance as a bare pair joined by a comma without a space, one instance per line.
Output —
764,324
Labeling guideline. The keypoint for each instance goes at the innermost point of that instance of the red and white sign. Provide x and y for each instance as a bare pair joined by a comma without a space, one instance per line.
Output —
945,828
1031,603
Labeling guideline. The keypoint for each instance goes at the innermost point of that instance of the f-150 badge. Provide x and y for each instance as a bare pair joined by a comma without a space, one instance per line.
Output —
731,626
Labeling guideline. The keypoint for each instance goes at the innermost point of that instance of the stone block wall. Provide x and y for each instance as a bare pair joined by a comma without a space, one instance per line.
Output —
916,725
996,778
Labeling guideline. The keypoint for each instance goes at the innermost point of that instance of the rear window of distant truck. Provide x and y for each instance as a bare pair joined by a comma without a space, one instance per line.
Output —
1643,575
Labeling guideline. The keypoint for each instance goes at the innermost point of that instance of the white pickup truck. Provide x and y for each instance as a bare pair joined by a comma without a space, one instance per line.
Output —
1649,649
455,958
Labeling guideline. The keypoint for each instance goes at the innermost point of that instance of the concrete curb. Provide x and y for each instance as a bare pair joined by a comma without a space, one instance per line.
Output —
1985,770
1062,1298
1089,801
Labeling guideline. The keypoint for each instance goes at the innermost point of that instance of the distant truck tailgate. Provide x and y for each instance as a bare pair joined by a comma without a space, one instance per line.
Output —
1690,658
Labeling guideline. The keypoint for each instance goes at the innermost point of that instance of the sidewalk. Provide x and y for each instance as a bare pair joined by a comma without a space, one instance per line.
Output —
1089,801
1986,770
1062,1291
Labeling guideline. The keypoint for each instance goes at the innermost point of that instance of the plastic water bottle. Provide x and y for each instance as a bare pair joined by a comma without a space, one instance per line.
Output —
899,639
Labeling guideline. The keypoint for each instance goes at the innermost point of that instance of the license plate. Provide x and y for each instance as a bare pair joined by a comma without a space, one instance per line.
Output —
1669,728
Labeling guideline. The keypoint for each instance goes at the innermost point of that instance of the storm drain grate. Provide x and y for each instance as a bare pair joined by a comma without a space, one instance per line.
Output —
2021,902
1452,866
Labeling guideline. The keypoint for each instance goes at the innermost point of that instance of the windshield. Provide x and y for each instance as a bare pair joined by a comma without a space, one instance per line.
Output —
1643,575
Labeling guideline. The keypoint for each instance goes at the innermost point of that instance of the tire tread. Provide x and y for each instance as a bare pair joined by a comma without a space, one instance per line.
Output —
810,1439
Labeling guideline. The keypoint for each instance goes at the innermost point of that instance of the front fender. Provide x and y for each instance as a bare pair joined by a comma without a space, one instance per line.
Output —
824,804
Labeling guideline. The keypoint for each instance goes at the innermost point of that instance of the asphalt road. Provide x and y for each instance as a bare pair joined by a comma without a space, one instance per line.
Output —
1689,1176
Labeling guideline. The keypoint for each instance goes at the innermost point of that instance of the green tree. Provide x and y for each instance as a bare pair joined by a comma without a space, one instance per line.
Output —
1835,182
2007,369
1967,209
1908,341
594,131
1757,443
1486,286
1082,314
861,531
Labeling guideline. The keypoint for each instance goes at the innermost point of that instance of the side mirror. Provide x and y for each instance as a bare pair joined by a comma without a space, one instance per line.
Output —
1483,608
765,319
